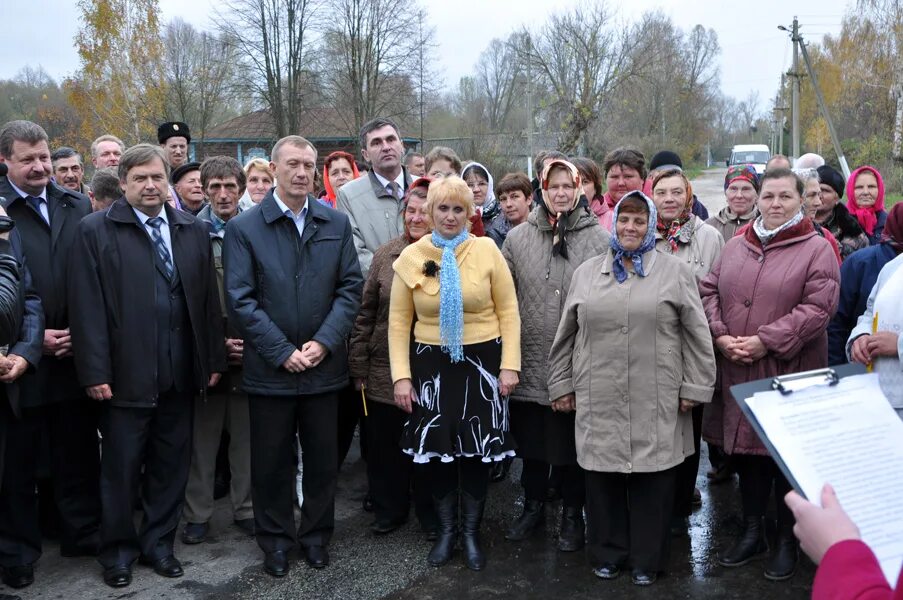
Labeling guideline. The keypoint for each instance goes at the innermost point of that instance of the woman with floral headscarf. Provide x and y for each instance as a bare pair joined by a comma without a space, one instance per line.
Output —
633,355
542,276
454,292
865,201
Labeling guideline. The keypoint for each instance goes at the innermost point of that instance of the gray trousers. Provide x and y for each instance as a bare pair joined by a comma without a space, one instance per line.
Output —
225,410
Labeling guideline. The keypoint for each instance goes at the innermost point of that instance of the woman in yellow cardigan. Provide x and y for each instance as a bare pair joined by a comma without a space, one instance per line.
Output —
455,373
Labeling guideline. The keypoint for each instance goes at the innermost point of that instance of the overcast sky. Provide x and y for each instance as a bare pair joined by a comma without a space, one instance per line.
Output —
754,52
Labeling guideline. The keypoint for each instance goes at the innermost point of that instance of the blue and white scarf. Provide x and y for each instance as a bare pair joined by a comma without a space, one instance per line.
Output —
451,302
636,256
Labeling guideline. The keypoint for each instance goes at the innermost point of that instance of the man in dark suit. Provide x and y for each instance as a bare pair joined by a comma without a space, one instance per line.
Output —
293,288
22,333
148,339
46,216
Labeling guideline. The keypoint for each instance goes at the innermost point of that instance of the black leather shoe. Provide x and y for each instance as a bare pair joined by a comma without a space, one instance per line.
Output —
316,556
118,576
447,532
528,521
195,533
246,525
572,534
697,498
276,563
607,571
641,577
782,563
168,566
19,576
749,546
384,526
367,504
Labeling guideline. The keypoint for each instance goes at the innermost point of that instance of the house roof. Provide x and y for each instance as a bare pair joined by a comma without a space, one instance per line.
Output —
318,124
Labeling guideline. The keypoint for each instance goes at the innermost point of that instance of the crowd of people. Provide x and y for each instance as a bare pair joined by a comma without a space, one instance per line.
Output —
178,320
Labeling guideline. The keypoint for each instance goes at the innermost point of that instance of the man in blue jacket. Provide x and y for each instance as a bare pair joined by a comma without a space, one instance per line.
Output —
293,288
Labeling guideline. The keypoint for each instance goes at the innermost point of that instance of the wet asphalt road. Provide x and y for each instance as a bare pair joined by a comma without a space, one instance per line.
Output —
365,566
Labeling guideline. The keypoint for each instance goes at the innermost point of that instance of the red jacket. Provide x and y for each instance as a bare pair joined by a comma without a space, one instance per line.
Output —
850,571
786,294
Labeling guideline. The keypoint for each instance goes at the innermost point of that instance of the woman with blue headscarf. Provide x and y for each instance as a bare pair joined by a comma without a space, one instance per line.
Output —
632,355
454,376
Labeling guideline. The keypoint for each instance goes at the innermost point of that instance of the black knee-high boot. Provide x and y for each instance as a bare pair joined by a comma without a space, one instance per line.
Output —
447,514
471,517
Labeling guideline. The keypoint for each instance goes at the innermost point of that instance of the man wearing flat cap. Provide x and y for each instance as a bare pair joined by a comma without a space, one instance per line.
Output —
186,180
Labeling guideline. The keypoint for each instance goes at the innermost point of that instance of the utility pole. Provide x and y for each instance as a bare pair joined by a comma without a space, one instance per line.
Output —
782,108
795,37
530,123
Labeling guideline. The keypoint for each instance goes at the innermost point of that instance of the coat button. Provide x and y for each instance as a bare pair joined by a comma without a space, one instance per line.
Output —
629,466
623,330
557,292
747,303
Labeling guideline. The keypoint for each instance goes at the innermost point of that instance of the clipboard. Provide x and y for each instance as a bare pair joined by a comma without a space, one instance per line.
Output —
786,385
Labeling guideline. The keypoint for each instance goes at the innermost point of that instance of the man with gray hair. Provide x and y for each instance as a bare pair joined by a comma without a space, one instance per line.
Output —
148,339
47,216
104,189
293,288
68,170
810,160
106,151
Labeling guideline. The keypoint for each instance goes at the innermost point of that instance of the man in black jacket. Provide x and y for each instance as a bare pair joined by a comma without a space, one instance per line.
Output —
47,216
22,332
148,339
293,286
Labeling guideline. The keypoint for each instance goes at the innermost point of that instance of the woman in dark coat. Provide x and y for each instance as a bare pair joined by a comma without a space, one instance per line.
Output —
768,301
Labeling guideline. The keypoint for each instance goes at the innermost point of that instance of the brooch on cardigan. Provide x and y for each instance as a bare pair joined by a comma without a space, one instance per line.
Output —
430,268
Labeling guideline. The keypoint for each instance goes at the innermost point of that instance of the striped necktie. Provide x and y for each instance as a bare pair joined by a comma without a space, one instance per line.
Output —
160,244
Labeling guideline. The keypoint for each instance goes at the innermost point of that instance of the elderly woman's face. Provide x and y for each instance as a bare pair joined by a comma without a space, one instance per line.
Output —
631,228
340,173
670,198
621,179
479,185
259,183
812,198
866,189
415,214
561,190
741,196
449,217
779,201
829,200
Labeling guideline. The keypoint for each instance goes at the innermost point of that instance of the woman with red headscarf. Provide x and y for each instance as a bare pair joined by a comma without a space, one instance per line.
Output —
338,169
865,201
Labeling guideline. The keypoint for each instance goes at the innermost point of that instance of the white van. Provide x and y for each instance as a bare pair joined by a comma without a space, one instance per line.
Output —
750,154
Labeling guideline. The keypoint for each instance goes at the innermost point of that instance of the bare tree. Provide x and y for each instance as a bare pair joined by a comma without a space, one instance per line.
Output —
888,16
274,39
582,56
497,76
198,70
376,55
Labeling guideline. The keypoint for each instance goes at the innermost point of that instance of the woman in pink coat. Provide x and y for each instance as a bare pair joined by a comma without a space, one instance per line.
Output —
768,299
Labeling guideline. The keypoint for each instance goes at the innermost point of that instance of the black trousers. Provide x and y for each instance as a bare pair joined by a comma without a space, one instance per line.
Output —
75,465
20,532
350,412
470,475
628,518
688,470
160,439
274,422
392,473
572,482
758,475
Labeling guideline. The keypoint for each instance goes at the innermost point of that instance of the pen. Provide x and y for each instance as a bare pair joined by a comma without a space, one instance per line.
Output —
364,399
869,366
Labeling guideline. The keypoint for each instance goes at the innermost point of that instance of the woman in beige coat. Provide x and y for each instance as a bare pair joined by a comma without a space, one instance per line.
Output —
633,355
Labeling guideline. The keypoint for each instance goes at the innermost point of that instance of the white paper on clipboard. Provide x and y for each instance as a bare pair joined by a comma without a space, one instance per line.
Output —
849,436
